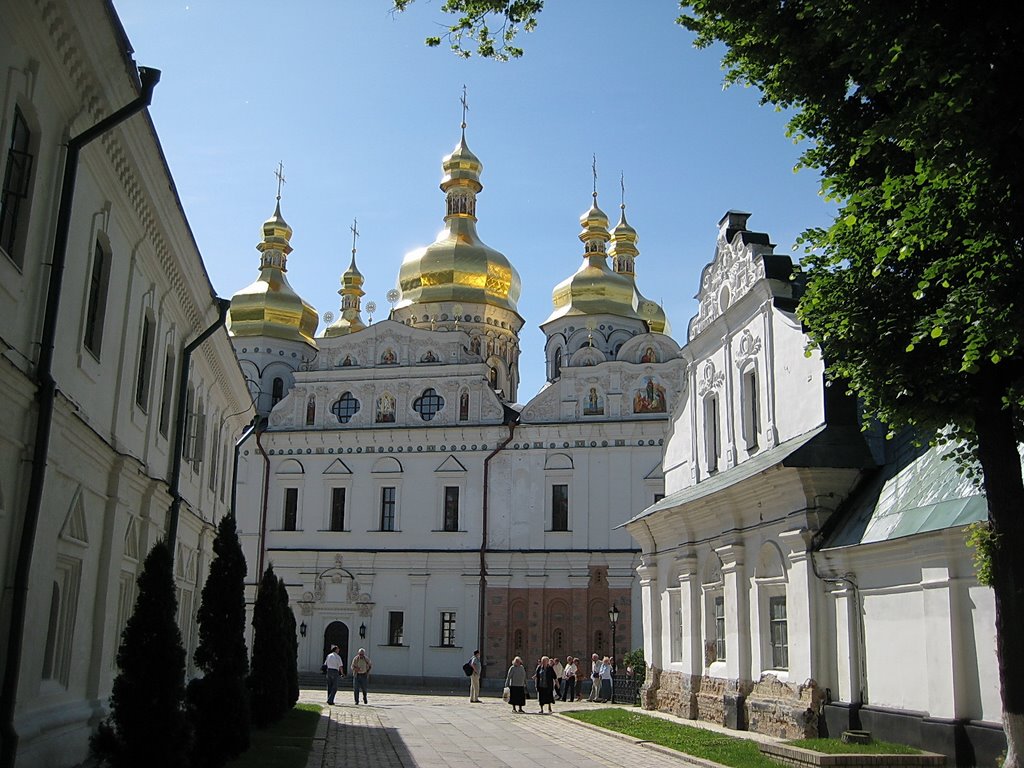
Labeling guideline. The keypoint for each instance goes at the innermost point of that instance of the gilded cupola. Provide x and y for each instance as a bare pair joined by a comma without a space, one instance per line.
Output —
594,289
350,320
270,307
623,252
458,266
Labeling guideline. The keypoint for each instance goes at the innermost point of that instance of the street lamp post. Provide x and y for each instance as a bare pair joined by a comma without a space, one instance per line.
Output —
613,619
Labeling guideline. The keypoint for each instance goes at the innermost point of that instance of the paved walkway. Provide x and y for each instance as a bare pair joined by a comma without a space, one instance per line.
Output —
420,730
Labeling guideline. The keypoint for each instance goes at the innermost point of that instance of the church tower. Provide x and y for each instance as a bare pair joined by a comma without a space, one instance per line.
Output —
270,325
459,283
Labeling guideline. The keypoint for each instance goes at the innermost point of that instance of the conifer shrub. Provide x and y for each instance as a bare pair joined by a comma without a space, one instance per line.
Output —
268,675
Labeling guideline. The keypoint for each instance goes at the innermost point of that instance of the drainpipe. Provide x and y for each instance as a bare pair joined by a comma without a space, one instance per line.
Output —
481,630
262,538
46,390
181,419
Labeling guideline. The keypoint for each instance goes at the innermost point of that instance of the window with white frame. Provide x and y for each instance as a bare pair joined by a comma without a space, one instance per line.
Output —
750,421
718,617
778,632
166,392
396,628
337,521
675,617
60,629
711,432
289,520
388,507
17,186
451,508
448,629
96,302
145,370
560,507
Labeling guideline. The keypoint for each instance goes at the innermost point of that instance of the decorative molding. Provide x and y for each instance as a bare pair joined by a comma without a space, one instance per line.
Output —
709,379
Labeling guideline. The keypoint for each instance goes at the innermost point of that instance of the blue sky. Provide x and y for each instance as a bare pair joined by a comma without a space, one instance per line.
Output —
361,113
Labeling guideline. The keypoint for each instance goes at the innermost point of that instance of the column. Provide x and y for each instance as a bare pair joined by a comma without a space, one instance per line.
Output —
689,597
417,635
650,607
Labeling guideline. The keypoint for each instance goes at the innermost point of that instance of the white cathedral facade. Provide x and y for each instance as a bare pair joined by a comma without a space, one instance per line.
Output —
410,504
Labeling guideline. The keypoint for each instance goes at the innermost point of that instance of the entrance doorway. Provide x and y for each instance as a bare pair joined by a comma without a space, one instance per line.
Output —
336,633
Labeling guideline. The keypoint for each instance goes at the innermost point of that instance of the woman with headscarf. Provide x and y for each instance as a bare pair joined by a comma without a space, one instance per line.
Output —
516,682
545,678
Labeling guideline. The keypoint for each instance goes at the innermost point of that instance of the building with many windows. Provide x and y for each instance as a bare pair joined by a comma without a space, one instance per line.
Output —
801,577
89,469
410,503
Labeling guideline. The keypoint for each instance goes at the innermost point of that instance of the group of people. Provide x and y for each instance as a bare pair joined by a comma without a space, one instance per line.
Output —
334,668
552,678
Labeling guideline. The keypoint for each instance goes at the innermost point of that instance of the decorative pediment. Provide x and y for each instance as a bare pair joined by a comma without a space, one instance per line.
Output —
558,461
451,464
709,379
338,467
748,347
75,527
290,467
387,464
587,356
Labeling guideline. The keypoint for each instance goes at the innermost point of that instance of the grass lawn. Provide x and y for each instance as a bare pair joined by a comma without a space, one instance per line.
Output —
285,744
727,750
836,747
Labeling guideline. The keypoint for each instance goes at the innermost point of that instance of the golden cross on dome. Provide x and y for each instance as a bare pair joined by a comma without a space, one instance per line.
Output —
622,185
593,167
355,234
280,178
465,109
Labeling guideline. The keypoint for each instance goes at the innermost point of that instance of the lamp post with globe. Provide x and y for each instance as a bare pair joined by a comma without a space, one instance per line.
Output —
613,619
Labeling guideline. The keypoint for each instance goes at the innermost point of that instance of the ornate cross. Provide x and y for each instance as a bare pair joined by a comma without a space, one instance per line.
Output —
355,234
593,167
622,185
280,178
465,106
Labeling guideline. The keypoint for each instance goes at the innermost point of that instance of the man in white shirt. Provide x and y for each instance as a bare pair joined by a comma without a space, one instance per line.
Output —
595,678
568,692
333,668
474,679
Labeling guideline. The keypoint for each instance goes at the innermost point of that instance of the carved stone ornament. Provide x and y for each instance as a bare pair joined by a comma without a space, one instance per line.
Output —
749,346
735,268
709,379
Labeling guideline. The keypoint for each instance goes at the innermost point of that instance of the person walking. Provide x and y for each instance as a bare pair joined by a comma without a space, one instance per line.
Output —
606,679
516,682
545,679
360,669
595,677
474,679
581,676
333,666
569,680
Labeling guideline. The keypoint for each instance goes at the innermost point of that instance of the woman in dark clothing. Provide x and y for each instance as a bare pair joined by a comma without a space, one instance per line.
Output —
516,682
545,678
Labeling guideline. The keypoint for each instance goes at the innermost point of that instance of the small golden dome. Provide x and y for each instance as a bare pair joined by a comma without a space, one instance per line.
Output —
269,306
350,320
458,266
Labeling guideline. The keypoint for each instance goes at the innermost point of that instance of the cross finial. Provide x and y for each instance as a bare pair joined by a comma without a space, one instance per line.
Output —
355,234
280,179
622,186
465,109
593,167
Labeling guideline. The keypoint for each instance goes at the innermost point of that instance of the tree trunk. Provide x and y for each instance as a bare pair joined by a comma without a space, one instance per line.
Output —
1004,489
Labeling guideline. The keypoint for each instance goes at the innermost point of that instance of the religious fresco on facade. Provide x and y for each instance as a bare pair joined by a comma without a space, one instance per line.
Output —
385,409
649,356
650,397
389,357
594,404
429,357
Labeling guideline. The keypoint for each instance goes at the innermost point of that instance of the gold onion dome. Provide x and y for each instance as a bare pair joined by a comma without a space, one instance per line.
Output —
350,320
458,266
594,289
270,306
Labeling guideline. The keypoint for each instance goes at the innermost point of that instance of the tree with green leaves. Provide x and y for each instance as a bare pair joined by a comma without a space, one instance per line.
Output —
268,676
492,25
289,644
218,702
913,113
147,723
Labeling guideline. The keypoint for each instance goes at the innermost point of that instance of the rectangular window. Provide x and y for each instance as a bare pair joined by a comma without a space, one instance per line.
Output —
166,393
337,509
145,365
560,507
291,509
720,628
396,627
675,615
778,632
214,459
448,629
14,195
387,508
451,508
96,308
751,420
711,432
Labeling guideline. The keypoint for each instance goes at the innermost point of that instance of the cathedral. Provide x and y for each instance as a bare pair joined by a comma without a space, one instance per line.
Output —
411,503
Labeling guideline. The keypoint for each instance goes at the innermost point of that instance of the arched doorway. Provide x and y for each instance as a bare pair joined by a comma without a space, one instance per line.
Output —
336,633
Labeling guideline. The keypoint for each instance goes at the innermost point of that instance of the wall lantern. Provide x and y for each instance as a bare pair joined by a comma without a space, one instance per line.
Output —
362,631
302,629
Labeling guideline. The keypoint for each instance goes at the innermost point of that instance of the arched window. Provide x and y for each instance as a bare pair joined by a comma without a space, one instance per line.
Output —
345,407
464,406
556,364
311,410
492,377
276,391
517,640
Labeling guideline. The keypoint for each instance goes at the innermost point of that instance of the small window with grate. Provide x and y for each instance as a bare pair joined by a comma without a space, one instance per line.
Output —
428,404
345,407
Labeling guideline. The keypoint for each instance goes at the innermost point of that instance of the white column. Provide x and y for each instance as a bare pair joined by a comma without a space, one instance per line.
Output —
802,618
650,606
689,598
737,615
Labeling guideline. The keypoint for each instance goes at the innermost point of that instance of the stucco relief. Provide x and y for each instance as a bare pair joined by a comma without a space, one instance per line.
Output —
709,379
748,347
735,268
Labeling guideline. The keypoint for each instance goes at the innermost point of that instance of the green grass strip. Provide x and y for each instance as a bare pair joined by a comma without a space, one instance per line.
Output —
709,745
285,744
836,747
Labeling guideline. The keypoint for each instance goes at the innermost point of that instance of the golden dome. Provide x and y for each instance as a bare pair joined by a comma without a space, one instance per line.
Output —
270,307
594,289
350,320
458,266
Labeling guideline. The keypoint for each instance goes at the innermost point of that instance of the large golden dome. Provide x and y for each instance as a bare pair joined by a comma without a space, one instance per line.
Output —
458,266
270,307
594,289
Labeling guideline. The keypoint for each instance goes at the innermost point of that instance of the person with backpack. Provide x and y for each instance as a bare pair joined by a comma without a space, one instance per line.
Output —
474,677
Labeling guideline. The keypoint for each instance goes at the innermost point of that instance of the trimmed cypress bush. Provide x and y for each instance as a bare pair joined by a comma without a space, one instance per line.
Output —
147,724
218,702
289,646
268,677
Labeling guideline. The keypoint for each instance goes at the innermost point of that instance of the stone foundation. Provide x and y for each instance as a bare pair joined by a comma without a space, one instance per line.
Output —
784,710
671,692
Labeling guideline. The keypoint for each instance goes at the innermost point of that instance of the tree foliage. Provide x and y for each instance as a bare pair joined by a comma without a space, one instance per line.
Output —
218,702
147,723
273,679
491,25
